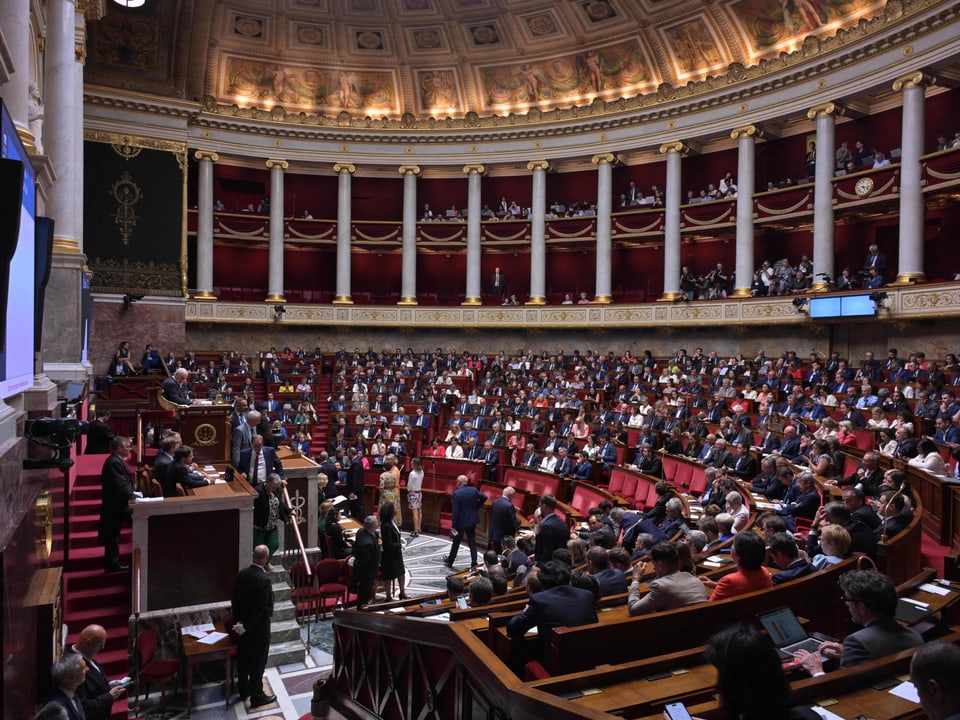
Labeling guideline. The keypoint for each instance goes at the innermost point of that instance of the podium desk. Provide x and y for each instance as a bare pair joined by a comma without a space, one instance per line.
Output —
301,475
192,547
196,652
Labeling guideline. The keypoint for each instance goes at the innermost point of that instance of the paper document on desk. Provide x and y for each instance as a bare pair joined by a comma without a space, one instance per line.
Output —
935,589
212,639
197,631
907,691
825,714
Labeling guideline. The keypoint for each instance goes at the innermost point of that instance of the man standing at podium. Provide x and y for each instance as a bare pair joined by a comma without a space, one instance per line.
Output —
252,607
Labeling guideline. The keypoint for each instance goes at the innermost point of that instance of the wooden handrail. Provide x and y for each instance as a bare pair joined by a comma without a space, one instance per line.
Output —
296,532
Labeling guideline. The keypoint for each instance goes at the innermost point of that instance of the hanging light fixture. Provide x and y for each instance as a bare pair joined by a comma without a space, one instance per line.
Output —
130,4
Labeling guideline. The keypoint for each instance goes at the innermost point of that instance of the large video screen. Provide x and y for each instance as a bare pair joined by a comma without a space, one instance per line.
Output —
16,365
842,306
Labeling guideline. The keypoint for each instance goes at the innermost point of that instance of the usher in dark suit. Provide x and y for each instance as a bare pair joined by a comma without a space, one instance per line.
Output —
253,606
116,485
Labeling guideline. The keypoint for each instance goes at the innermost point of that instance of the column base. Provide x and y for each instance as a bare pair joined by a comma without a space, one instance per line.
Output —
28,140
472,301
66,246
740,293
602,300
669,297
819,287
343,300
276,298
909,278
204,295
536,300
407,300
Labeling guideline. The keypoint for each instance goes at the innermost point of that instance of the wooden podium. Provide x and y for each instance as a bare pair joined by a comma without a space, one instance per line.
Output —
192,547
205,428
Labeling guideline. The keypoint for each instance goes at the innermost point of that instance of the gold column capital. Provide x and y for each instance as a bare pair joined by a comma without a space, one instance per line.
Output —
535,165
912,80
603,159
80,52
275,163
340,168
409,169
474,169
824,110
206,155
675,146
746,131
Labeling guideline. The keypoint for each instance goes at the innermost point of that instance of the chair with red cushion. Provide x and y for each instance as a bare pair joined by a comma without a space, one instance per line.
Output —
152,668
304,593
330,588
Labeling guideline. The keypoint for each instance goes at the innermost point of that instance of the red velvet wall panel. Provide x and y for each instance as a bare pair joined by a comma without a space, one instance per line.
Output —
444,274
375,198
570,272
699,171
316,193
376,273
441,193
237,187
240,266
781,159
309,269
515,188
940,113
572,187
643,175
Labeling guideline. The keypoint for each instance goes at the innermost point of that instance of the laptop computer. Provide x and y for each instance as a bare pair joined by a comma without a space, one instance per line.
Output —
788,634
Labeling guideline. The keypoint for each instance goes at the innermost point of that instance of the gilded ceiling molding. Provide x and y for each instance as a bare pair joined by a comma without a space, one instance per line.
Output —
474,169
603,158
206,155
676,146
283,164
746,131
344,168
409,169
829,109
543,165
135,141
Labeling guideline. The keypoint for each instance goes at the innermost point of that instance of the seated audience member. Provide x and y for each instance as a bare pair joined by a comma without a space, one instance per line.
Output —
934,671
610,580
834,547
801,501
736,508
751,684
671,589
856,503
928,458
749,551
708,526
337,543
696,540
862,538
480,592
455,586
785,556
182,471
868,476
558,604
871,599
895,515
670,525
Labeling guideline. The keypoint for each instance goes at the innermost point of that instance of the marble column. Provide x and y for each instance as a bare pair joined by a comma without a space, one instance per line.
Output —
538,236
602,290
671,221
910,264
345,172
15,21
205,159
474,175
275,264
744,266
823,246
408,274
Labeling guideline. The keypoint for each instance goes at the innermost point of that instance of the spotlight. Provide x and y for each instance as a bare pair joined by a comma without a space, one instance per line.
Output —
879,298
278,312
129,300
800,304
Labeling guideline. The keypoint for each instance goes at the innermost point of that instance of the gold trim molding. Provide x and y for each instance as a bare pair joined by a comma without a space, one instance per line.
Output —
407,300
676,146
206,155
204,295
343,300
472,301
274,163
535,165
135,141
344,168
746,131
830,109
912,80
409,169
474,169
602,300
66,246
603,159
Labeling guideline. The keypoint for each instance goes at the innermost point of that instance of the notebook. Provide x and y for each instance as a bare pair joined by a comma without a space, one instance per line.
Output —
788,634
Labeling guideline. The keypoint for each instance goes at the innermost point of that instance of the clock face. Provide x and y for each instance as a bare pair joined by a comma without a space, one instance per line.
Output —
864,187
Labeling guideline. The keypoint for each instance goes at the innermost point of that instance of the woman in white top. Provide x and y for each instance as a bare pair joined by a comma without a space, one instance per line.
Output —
415,494
454,451
928,458
511,425
886,442
735,507
877,419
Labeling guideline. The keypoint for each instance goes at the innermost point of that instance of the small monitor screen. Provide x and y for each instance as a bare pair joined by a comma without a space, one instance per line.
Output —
857,306
826,307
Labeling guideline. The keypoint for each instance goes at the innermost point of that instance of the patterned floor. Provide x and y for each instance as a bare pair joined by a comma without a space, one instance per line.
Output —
293,684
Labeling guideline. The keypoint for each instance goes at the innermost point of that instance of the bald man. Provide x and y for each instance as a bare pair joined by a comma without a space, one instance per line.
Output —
95,694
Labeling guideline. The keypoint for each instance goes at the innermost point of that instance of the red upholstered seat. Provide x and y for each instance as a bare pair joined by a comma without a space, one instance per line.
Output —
304,593
154,669
330,589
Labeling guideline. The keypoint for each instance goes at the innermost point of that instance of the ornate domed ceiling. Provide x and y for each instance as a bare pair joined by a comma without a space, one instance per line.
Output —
442,58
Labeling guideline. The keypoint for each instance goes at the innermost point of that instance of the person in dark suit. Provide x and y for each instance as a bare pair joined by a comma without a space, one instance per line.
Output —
329,468
612,581
99,434
558,604
365,561
934,671
743,464
95,694
802,500
785,555
466,501
67,675
252,607
871,599
116,485
168,446
241,438
498,283
869,476
173,387
554,532
790,445
503,518
896,515
355,486
258,461
875,259
181,472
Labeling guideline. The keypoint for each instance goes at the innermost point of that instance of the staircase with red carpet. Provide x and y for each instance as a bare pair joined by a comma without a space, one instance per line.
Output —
89,594
320,434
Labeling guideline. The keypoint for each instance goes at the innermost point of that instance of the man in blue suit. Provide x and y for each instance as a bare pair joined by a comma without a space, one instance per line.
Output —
466,501
258,461
559,604
67,675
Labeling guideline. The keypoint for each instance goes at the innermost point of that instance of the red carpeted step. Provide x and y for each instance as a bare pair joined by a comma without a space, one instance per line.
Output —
80,600
83,580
